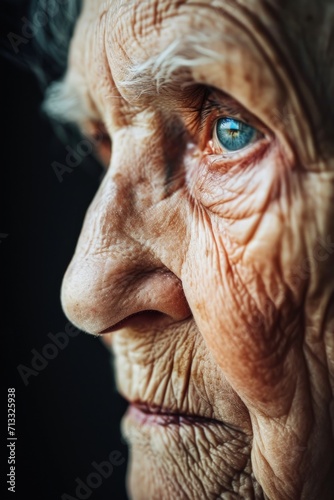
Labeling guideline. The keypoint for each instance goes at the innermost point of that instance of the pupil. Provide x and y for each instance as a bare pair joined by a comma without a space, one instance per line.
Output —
234,133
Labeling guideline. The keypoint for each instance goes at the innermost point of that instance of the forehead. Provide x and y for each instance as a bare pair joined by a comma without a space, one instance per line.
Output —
133,19
128,33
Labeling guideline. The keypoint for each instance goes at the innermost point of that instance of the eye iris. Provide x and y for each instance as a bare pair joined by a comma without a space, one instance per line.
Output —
234,134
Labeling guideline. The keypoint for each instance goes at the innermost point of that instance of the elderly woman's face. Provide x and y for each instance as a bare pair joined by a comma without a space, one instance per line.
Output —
208,249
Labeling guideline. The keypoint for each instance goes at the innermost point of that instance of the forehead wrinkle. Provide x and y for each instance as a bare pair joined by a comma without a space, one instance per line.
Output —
189,50
101,84
130,25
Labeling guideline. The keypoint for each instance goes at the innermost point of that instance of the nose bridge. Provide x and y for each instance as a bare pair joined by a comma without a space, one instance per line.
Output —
129,188
117,269
137,162
105,218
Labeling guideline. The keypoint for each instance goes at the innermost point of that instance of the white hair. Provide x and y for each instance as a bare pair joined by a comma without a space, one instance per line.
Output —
172,64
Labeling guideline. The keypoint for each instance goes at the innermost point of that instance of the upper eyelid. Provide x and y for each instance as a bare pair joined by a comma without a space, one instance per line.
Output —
219,110
222,107
216,106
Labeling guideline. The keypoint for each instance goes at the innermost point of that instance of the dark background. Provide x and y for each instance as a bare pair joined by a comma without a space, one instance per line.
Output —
68,415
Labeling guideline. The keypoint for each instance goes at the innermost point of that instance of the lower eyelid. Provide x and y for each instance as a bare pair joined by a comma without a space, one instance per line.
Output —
249,154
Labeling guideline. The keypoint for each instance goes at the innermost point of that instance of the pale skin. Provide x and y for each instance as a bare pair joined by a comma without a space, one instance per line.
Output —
228,257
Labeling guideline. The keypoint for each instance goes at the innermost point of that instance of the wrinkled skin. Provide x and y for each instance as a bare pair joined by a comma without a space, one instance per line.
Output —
230,255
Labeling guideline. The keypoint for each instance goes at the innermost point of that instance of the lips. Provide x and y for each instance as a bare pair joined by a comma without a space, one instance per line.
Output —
145,413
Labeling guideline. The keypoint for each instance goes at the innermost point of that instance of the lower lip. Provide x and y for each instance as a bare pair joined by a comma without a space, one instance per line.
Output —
140,427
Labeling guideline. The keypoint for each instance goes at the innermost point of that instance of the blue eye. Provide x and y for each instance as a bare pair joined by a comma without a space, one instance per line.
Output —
234,134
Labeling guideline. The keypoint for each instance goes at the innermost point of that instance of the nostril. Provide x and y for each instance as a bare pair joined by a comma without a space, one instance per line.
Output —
140,320
101,295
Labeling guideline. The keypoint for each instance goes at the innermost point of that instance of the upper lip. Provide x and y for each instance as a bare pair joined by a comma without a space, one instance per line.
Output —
159,377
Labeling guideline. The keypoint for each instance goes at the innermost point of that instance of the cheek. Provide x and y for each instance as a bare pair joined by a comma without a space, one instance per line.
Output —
241,239
237,292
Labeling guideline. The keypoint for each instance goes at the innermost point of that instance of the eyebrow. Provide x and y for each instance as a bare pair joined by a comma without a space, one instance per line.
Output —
172,65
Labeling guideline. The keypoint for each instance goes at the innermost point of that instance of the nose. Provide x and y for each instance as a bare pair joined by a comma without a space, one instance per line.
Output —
121,263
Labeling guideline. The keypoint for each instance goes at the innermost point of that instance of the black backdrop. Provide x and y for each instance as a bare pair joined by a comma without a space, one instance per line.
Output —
68,412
